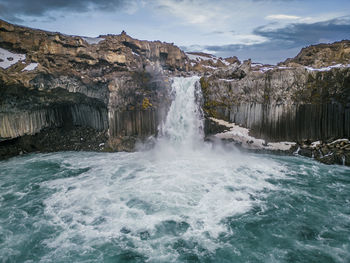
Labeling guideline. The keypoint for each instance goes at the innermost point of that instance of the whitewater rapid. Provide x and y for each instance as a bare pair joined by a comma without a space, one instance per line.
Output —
183,200
182,182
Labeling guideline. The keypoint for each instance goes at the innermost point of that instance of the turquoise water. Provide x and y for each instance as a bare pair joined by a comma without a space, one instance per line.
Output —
141,207
184,200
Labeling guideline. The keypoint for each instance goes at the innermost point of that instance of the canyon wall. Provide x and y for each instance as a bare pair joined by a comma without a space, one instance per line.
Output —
113,84
109,92
283,104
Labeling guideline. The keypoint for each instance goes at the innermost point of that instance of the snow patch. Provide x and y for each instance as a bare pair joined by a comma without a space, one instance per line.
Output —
265,69
225,62
210,67
227,80
328,68
197,57
93,40
315,144
8,58
30,67
240,134
340,140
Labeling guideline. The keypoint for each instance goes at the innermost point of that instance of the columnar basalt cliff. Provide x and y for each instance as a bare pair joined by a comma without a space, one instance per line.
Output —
284,104
290,102
113,85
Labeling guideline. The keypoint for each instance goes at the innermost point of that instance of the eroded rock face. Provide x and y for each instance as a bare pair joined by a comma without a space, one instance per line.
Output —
322,55
113,84
282,103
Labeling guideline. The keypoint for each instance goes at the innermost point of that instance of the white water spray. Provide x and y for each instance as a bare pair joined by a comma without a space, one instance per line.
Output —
183,126
183,189
297,151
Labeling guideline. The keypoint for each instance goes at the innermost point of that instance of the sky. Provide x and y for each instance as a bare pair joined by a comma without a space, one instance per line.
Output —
267,31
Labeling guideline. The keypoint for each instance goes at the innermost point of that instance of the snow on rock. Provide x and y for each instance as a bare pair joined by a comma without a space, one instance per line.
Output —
93,40
30,67
328,68
265,69
7,58
225,62
241,135
198,57
315,144
227,80
210,67
340,140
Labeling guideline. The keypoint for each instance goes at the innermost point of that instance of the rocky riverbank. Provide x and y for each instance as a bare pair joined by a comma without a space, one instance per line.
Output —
55,139
328,152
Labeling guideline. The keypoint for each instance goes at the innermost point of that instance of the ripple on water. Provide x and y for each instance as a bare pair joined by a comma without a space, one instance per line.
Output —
140,208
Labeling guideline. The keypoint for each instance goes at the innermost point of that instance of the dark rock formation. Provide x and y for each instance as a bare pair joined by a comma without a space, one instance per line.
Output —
115,85
283,103
114,90
328,152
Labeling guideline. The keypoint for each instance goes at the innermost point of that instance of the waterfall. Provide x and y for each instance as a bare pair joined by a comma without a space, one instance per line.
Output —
184,123
297,151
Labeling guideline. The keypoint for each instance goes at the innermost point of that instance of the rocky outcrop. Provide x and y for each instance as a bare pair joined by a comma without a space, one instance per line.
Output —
113,84
204,63
322,55
279,103
284,104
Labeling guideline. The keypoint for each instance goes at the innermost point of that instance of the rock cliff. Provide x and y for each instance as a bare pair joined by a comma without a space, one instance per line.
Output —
297,102
113,84
322,55
108,92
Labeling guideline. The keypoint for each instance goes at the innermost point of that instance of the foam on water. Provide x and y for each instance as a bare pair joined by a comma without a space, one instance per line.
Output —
181,188
139,195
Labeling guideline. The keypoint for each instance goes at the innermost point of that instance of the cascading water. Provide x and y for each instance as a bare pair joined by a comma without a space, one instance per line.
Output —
184,123
182,201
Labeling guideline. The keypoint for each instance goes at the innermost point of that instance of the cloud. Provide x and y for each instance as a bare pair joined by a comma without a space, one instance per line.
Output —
195,12
283,42
282,17
15,10
301,34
